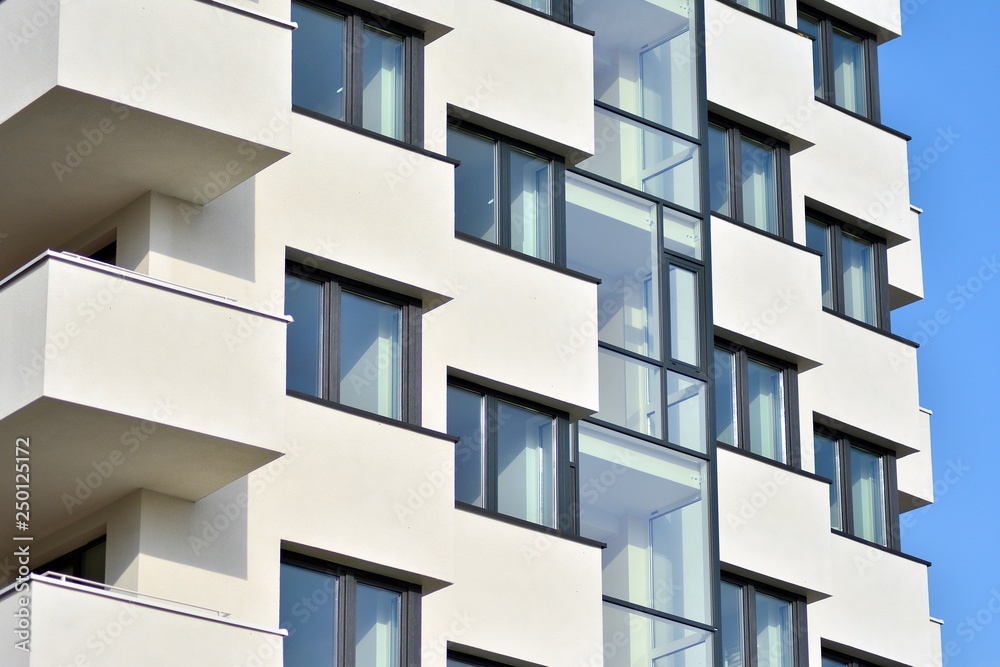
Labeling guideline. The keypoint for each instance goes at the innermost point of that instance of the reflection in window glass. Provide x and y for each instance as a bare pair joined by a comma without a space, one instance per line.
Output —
466,414
766,411
828,465
719,171
377,627
868,496
759,6
530,205
726,398
540,5
647,503
370,355
612,236
849,72
686,412
774,631
308,610
681,233
858,266
630,393
758,164
685,329
818,238
810,26
475,184
526,464
383,99
654,641
731,630
318,69
304,302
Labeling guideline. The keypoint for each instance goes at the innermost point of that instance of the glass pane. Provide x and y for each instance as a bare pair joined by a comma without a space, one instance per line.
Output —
686,412
540,5
759,6
649,505
640,157
382,103
371,355
318,70
530,205
377,633
818,238
833,662
828,465
681,233
465,419
304,342
774,631
849,79
719,171
731,631
634,639
858,266
475,184
526,470
308,611
93,562
630,393
767,411
612,236
724,374
644,58
685,318
868,496
760,186
810,26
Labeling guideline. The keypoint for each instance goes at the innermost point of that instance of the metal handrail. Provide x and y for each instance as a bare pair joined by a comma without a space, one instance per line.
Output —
67,578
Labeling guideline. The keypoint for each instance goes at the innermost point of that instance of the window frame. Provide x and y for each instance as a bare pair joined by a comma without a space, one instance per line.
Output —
560,10
355,21
410,344
348,578
843,659
890,498
776,9
74,559
566,460
748,612
826,24
502,147
735,133
835,232
789,375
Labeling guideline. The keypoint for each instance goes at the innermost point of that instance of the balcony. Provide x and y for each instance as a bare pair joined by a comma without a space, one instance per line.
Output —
105,100
74,623
123,382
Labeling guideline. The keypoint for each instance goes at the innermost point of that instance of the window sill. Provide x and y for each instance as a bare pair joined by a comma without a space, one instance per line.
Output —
527,258
375,135
774,237
866,119
787,467
874,329
291,393
547,17
879,547
474,509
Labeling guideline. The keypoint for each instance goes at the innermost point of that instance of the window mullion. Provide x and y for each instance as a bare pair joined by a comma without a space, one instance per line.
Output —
736,173
348,625
503,202
837,268
749,599
331,325
491,455
743,407
845,487
826,49
355,65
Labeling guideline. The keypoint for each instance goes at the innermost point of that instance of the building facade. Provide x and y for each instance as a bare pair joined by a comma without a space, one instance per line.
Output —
457,333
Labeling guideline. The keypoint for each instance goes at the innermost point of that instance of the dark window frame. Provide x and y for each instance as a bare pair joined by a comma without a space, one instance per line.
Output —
846,660
566,475
835,231
890,498
501,191
869,43
355,21
409,617
800,627
410,344
776,10
743,356
734,134
561,10
74,560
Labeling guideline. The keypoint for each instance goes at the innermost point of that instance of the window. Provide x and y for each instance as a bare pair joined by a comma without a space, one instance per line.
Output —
557,9
352,344
854,270
755,406
761,627
831,659
357,68
506,194
748,178
862,487
764,7
512,456
339,617
87,562
844,64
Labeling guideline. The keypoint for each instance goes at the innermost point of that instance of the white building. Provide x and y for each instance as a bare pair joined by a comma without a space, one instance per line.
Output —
496,333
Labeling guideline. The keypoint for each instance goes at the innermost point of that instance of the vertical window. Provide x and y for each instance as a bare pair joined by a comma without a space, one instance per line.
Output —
339,617
862,488
755,407
853,270
357,68
844,64
510,456
748,177
352,345
505,194
761,626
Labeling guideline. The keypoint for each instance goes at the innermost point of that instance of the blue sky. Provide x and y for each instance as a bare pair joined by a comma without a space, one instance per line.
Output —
941,82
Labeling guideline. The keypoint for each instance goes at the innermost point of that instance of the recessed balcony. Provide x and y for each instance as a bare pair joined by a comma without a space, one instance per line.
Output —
121,382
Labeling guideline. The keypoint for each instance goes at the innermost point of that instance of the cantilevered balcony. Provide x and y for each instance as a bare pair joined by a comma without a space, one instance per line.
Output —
123,382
